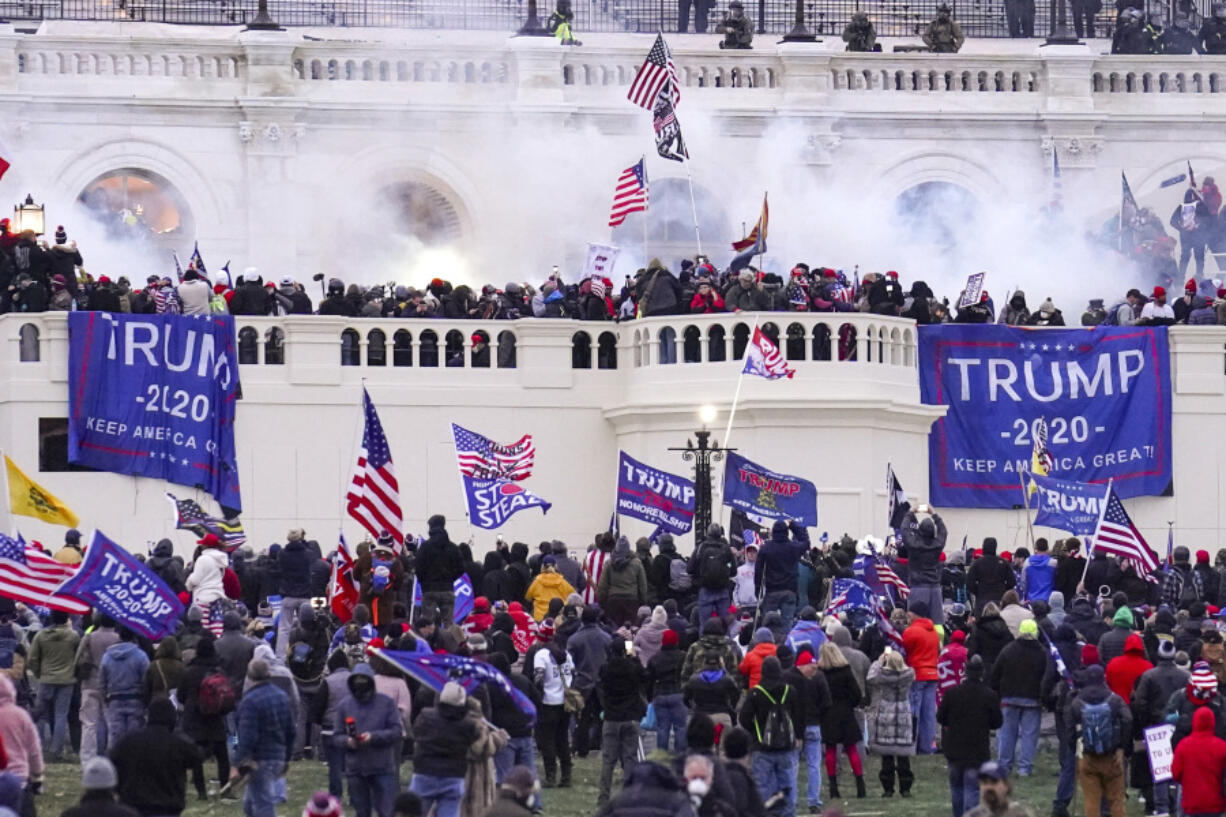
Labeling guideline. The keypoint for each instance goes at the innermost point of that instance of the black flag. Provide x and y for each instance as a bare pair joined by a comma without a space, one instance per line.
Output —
669,143
899,506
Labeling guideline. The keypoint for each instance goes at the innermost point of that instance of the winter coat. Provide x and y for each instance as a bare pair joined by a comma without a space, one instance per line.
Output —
1200,766
1102,571
378,717
889,712
152,765
588,649
923,646
53,655
90,652
751,665
1125,670
1014,615
295,571
442,735
1111,643
776,567
381,604
951,668
439,563
508,804
664,672
714,644
623,578
265,724
745,299
163,563
840,726
659,293
1017,673
967,714
711,692
234,652
544,588
648,639
196,725
1184,708
1068,576
100,803
651,791
620,689
1096,694
251,298
1154,690
19,736
988,638
923,552
757,707
205,582
1040,577
123,672
1084,619
987,579
165,672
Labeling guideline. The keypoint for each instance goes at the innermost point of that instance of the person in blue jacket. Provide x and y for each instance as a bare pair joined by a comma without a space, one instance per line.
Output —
776,569
1039,574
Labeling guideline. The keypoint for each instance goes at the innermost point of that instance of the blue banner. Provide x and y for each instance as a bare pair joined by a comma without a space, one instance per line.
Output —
654,496
1071,506
491,502
435,670
462,588
154,396
750,488
111,580
1104,393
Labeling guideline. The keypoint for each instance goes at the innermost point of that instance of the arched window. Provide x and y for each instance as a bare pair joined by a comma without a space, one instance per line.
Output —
351,352
847,342
691,344
274,346
416,209
717,344
606,353
581,351
740,339
455,349
796,342
821,341
481,349
427,350
402,348
376,348
30,348
138,205
248,345
668,345
506,349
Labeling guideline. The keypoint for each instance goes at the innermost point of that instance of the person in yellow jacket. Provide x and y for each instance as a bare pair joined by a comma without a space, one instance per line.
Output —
70,553
546,587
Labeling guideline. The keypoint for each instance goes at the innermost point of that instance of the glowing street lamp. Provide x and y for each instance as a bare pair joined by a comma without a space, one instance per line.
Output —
29,216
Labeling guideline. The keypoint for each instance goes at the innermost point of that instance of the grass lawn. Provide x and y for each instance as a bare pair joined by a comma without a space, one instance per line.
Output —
930,793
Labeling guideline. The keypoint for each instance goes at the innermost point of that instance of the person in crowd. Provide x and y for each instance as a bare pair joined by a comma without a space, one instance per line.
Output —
619,690
516,794
122,683
622,586
1199,767
663,688
1013,613
994,792
165,671
438,565
205,694
988,578
1149,707
370,731
588,649
1039,574
152,763
1181,585
771,713
840,723
944,35
736,27
1017,676
859,33
775,570
553,673
924,541
22,749
442,737
1103,723
968,714
713,567
99,781
265,722
922,643
52,662
814,693
890,730
989,636
88,670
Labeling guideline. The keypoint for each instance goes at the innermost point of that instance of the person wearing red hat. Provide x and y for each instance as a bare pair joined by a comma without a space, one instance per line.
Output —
1208,576
323,804
1157,312
206,582
1200,693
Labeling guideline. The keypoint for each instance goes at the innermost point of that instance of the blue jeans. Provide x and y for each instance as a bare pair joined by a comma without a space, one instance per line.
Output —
260,796
713,603
785,602
670,717
924,707
963,786
334,756
1023,722
1067,784
813,762
373,791
443,792
517,752
775,772
122,717
52,706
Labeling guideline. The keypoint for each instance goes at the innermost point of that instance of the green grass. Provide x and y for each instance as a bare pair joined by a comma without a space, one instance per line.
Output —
930,793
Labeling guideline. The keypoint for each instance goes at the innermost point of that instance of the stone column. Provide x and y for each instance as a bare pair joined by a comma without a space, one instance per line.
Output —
1066,80
537,63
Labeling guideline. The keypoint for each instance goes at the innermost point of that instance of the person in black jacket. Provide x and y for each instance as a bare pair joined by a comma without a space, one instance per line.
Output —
520,750
295,587
651,790
664,692
64,258
335,303
747,798
988,577
774,767
713,567
1069,568
207,731
1017,676
497,583
152,763
776,569
885,296
620,690
988,637
439,564
104,298
442,736
924,542
814,692
711,691
1102,572
968,713
250,296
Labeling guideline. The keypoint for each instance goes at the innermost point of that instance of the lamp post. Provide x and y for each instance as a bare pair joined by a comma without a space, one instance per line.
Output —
702,453
532,25
263,20
29,216
1060,33
799,34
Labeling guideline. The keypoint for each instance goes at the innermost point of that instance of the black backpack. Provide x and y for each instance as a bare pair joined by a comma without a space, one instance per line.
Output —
776,732
713,568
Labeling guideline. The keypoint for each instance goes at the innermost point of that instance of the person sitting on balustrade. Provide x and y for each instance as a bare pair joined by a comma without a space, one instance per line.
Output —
736,27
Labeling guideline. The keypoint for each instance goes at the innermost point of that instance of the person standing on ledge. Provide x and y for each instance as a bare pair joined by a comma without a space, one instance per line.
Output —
944,35
736,27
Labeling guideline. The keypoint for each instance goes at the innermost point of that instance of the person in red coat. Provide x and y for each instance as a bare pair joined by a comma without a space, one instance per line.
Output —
922,643
706,299
951,666
1199,767
1124,670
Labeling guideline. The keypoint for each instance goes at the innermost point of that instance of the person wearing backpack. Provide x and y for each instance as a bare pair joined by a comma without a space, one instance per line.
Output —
1103,723
673,578
204,720
305,658
770,713
713,568
775,571
1181,585
622,587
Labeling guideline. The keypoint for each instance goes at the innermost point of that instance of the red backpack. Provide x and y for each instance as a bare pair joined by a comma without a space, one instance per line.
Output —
230,584
216,695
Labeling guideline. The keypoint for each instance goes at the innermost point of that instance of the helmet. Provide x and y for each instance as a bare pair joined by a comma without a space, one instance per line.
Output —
336,286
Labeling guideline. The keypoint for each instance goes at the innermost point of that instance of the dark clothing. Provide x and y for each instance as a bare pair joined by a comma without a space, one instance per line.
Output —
441,738
99,804
265,725
1068,574
968,713
664,672
1153,692
757,706
658,293
152,766
1096,694
987,640
234,652
776,566
439,564
923,552
1084,619
195,724
747,799
1019,669
620,689
1102,571
712,692
507,805
251,298
378,717
814,693
839,723
104,298
295,563
987,579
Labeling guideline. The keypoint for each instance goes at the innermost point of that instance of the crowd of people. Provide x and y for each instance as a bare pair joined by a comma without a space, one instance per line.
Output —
709,678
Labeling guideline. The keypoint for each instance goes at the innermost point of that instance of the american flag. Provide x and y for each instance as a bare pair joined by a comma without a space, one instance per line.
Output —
482,458
886,575
657,74
197,260
190,516
29,575
1116,534
629,195
374,494
763,359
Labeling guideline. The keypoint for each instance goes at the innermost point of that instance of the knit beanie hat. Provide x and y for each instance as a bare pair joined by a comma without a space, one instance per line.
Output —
1202,684
99,773
669,638
453,694
1089,655
323,804
958,636
763,636
1123,618
1166,648
1028,629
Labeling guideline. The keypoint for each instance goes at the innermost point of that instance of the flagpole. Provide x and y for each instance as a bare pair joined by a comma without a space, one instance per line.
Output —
1090,547
693,206
736,395
646,207
460,475
1021,478
354,446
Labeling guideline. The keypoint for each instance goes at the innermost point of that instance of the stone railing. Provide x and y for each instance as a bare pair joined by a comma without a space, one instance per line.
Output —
943,73
40,58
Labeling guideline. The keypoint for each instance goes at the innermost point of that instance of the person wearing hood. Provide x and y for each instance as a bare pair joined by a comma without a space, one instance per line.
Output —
622,587
52,661
207,731
1013,613
763,647
988,577
924,541
890,726
989,636
98,799
922,643
439,564
663,689
206,582
1111,643
295,589
1056,612
775,571
165,672
163,563
713,641
774,714
570,570
1199,766
1017,676
711,690
442,736
496,581
265,739
1083,617
619,690
651,790
1124,670
951,664
841,721
152,763
1015,313
1149,705
122,682
370,733
70,553
648,639
968,713
306,660
1039,574
234,650
547,586
1103,722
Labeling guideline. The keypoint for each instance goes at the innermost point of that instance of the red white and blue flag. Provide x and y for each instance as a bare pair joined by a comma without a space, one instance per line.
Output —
480,457
435,670
28,575
630,195
1116,534
374,493
342,591
762,358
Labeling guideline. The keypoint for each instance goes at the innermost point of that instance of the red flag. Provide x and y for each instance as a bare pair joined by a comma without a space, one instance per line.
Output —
4,166
342,592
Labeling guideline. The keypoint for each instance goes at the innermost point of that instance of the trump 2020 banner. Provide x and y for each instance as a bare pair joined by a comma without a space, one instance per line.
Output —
1071,506
759,491
654,496
154,396
1104,393
112,581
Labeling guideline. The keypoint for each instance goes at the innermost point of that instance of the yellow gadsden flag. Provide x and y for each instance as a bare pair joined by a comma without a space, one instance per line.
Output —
28,498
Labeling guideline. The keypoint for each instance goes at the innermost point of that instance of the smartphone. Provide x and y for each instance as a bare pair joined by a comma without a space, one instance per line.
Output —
629,648
351,728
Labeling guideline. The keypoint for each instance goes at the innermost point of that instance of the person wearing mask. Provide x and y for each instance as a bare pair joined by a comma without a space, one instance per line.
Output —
265,739
52,662
98,779
994,792
922,643
1017,676
442,736
122,682
840,723
988,577
698,775
774,715
88,670
622,587
370,732
968,714
1103,722
619,690
775,570
152,763
890,732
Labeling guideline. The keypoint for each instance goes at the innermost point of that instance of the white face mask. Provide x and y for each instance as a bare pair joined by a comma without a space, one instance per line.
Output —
698,787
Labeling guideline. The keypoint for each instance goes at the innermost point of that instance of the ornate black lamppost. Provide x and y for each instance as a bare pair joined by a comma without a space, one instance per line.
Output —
702,453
